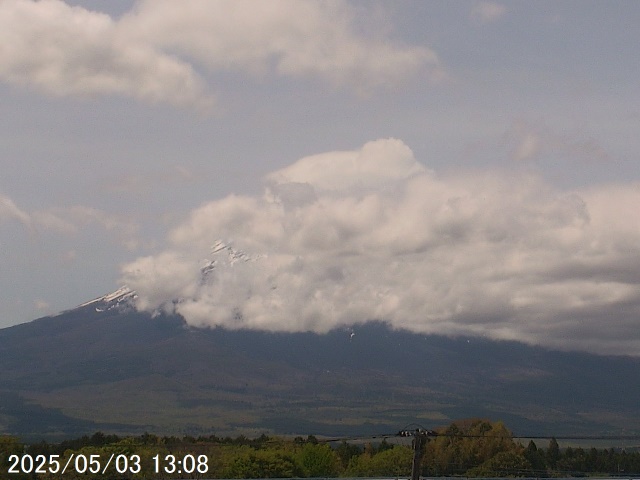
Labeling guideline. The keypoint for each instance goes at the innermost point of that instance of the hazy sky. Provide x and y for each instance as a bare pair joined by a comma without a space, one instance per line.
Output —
459,167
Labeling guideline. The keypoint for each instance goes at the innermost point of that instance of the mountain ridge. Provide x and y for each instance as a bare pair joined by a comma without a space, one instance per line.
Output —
122,371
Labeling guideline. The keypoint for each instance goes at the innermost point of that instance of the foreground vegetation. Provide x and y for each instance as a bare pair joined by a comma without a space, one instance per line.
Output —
472,448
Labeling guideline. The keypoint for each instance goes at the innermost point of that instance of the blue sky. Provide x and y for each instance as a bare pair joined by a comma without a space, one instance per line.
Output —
459,167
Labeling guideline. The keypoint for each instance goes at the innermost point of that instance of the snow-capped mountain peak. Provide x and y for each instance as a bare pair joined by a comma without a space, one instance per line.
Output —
125,297
122,297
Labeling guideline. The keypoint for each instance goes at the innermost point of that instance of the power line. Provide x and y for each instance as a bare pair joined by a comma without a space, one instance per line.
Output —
432,433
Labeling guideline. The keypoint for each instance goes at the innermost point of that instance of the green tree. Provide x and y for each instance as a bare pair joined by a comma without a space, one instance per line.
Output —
393,462
553,453
383,445
264,464
536,458
346,452
318,460
359,466
9,446
465,445
502,464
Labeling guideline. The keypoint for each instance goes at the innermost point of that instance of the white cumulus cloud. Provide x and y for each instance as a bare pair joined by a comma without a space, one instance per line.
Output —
294,38
153,52
346,237
64,50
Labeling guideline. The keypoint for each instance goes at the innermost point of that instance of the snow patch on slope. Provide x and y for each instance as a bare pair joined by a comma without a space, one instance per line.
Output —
125,297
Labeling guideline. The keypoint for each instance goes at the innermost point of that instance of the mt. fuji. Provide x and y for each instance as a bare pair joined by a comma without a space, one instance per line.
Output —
106,366
124,298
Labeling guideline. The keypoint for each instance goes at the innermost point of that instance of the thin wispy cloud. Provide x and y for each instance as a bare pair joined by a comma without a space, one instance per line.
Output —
70,221
10,211
488,12
530,141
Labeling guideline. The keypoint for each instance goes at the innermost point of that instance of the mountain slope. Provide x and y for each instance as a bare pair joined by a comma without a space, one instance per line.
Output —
118,370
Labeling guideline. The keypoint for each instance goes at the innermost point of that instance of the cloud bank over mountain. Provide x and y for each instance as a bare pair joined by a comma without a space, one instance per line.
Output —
345,237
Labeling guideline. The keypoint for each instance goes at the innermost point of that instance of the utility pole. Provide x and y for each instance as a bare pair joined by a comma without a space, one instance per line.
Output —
420,437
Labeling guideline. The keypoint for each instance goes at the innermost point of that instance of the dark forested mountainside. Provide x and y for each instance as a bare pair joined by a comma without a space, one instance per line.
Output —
127,372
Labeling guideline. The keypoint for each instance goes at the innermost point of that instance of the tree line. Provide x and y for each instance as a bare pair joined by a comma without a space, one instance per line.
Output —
479,448
471,448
